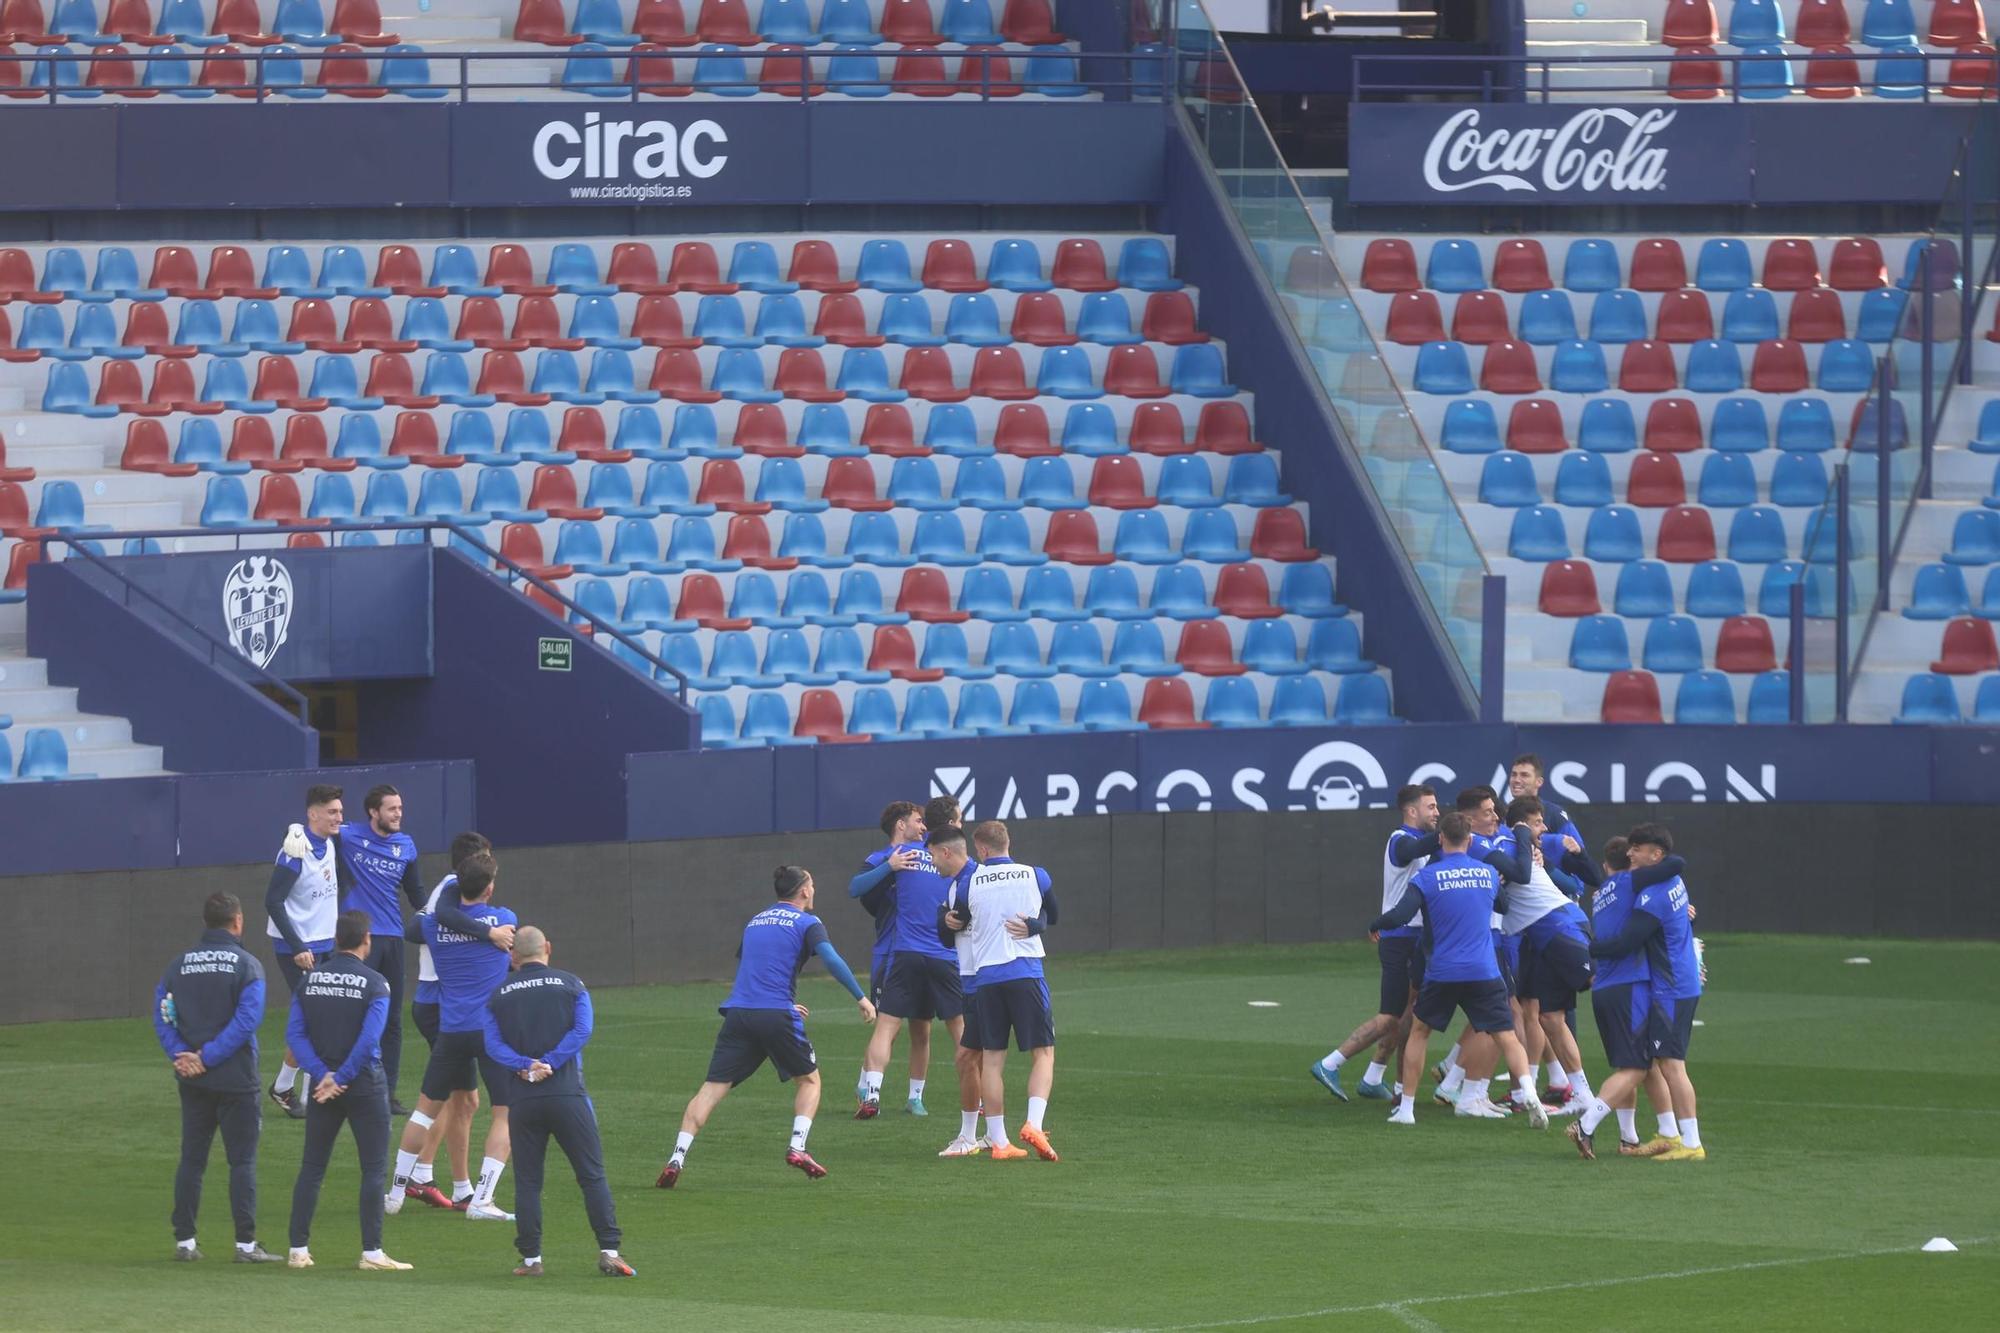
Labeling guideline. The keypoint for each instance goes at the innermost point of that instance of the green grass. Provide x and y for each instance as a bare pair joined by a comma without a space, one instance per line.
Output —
1850,1112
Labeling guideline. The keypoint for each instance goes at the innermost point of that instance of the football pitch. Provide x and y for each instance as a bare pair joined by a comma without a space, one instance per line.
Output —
1850,1112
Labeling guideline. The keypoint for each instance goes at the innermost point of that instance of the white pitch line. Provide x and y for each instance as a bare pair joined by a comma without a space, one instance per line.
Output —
1400,1308
1411,1319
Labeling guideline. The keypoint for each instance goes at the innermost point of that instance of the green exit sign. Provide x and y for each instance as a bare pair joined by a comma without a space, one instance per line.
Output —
553,654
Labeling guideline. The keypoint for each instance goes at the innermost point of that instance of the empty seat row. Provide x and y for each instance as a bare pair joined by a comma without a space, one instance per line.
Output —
1709,366
883,265
1654,481
1884,23
971,319
1712,590
1749,315
300,21
344,69
1657,264
1686,535
1608,424
1673,643
790,71
44,757
744,23
1702,698
1931,699
1940,592
1830,73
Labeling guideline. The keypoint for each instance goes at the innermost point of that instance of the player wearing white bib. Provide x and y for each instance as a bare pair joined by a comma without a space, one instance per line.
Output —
1401,950
300,905
1554,945
953,860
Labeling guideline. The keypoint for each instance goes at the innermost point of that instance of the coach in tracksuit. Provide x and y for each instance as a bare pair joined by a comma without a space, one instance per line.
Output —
335,1032
536,1025
205,1011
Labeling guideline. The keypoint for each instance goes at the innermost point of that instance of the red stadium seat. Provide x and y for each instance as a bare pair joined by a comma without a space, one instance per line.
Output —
239,21
1687,536
657,323
347,76
926,596
985,72
1689,23
174,271
1743,644
653,70
1815,317
1655,482
1479,318
1205,648
553,492
927,375
232,272
481,324
921,74
1694,75
1030,23
1118,482
28,473
950,266
1079,267
761,429
509,268
1158,428
391,379
1535,426
146,326
787,72
1673,426
694,268
1134,372
636,268
1169,318
111,74
369,325
1957,23
1509,367
500,374
1167,704
1790,265
1224,428
23,19
360,22
677,375
841,320
1414,318
173,390
145,451
1658,265
1779,367
908,22
1390,265
1072,537
1243,591
1973,75
998,372
278,502
722,485
414,437
1647,367
1832,74
702,602
306,541
1821,23
1023,431
1310,272
1569,588
1039,319
748,539
850,484
250,442
14,521
542,21
1857,265
23,555
312,323
822,719
401,269
1631,696
663,23
1280,534
888,430
305,444
228,77
801,374
1685,317
893,651
1969,648
1521,266
725,21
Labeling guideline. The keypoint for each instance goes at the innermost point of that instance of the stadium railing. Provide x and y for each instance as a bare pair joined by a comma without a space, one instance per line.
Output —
1488,78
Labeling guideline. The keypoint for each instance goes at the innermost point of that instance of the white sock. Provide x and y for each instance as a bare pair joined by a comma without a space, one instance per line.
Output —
1334,1060
917,1089
534,1258
406,1162
489,1180
297,1251
376,1255
1594,1116
1399,1087
682,1143
1628,1124
1534,1075
871,1083
609,1254
460,1189
1480,1089
1558,1076
1037,1108
245,1246
1668,1129
1454,1079
1451,1058
1690,1136
286,1077
424,1174
1579,1086
187,1244
968,1125
1408,1103
1375,1073
801,1126
996,1130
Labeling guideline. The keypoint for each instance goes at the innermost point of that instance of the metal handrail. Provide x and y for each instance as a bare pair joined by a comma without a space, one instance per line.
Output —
1541,66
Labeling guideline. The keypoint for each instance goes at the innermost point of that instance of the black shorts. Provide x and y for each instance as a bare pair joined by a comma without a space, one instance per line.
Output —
878,977
1622,1012
292,973
1402,959
922,987
749,1037
971,1037
1020,1005
1553,972
1670,1027
1507,953
426,1016
458,1063
1484,1003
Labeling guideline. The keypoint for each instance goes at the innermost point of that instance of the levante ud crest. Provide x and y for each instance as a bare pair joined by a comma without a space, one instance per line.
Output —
257,607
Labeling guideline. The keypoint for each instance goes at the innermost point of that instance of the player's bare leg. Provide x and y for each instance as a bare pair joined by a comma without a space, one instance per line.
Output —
874,1063
1618,1090
805,1101
1674,1072
993,1091
499,1147
1327,1071
699,1108
1413,1070
1041,1081
1517,1065
920,1063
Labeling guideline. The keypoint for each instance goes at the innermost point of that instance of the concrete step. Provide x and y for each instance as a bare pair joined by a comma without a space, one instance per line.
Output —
1637,79
1585,30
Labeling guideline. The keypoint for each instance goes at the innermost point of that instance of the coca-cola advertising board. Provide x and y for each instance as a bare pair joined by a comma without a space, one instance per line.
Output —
1560,153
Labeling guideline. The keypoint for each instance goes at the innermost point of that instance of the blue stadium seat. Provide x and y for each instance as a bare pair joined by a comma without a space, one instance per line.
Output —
1740,426
226,504
927,711
387,497
1105,319
360,438
1770,698
1938,593
610,489
1363,701
1307,590
1047,483
1757,536
1578,367
952,431
1141,537
1232,702
1296,701
1591,265
1606,426
979,711
969,23
733,658
1138,649
1037,708
1798,480
1454,266
906,320
767,720
873,538
1106,705
1612,535
1443,368
1643,591
225,383
1187,481
1211,535
1065,373
848,21
1335,646
581,546
1880,314
1760,80
600,21
885,267
1986,703
1715,590
1049,593
781,483
1015,265
117,268
981,484
1750,315
1723,264
1469,426
873,713
1889,24
1618,317
1975,538
302,21
914,484
987,595
754,597
68,390
691,543
719,320
1727,481
841,654
336,379
1928,699
1547,318
200,443
649,605
1583,481
1252,479
1051,71
1900,77
1705,698
739,374
1014,649
1078,649
945,649
1846,365
496,496
1713,367
1145,265
720,70
45,757
1178,591
42,330
96,334
718,722
597,597
940,540
753,265
1598,643
1753,22
973,320
1272,647
344,270
200,325
63,269
438,494
864,374
824,430
1868,430
635,544
1673,645
1805,425
1537,534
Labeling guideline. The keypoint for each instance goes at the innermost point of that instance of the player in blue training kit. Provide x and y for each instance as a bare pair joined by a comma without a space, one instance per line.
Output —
763,1020
903,824
1659,924
1554,944
1621,998
1457,896
1400,950
300,904
923,969
1464,1082
1570,868
380,865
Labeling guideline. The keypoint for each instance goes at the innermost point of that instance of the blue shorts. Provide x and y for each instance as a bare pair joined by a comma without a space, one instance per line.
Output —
1020,1005
749,1037
459,1063
878,975
969,1037
1507,953
1622,1014
1484,1003
293,974
920,986
1402,959
1553,972
1670,1027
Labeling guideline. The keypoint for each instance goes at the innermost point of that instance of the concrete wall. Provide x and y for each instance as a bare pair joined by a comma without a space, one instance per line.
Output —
647,913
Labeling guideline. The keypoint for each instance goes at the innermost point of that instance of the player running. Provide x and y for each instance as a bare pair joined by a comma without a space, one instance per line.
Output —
300,904
1457,896
763,1020
1400,949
